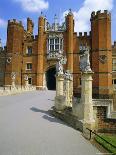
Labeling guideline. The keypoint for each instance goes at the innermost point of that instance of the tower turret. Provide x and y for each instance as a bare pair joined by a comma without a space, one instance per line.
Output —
30,26
15,34
70,32
101,54
40,58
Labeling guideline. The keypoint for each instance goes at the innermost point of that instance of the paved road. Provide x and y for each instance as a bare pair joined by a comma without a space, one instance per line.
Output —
26,128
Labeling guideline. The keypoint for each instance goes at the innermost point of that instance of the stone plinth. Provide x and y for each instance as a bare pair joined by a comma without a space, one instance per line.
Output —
83,108
68,88
68,93
86,101
71,91
60,102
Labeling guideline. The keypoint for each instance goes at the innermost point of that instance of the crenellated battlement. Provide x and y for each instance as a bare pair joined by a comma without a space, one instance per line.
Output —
85,34
15,22
100,14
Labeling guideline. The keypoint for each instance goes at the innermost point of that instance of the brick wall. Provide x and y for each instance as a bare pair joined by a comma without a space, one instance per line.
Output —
105,124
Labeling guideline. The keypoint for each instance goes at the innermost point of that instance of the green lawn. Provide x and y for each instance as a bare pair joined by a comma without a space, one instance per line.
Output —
111,139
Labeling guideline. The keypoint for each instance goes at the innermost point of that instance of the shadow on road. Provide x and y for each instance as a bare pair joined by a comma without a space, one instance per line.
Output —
39,110
48,116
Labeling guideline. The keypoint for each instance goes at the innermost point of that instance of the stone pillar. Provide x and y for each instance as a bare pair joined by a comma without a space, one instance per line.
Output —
60,99
59,85
86,101
68,88
71,90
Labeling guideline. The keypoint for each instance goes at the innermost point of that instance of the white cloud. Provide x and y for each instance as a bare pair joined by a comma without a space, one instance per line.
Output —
82,17
33,5
3,23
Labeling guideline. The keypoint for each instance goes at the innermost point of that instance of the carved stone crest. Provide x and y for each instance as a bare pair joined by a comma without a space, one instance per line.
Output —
13,75
103,59
9,60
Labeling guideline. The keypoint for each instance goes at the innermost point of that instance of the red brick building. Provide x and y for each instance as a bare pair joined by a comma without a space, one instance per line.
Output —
36,56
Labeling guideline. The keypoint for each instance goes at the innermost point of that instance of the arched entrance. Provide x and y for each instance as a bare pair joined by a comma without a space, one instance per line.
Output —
51,79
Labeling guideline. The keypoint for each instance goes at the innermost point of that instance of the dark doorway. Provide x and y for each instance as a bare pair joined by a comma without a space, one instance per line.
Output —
51,79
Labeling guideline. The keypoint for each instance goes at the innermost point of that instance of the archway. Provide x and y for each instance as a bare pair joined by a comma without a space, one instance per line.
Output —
51,79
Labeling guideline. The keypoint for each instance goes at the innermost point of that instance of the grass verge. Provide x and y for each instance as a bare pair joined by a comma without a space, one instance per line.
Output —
111,139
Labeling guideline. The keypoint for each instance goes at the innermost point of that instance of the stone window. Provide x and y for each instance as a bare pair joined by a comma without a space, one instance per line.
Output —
29,66
55,44
29,50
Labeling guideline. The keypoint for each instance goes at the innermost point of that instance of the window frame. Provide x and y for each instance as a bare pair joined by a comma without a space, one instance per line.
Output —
27,50
30,68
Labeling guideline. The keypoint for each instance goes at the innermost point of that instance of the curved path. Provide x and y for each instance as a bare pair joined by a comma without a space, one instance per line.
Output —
26,128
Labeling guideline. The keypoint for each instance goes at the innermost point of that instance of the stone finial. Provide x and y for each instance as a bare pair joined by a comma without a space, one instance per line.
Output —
42,15
70,12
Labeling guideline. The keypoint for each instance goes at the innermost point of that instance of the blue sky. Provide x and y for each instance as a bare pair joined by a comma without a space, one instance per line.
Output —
21,9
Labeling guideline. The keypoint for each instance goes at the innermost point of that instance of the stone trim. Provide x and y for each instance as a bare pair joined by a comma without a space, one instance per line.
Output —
104,103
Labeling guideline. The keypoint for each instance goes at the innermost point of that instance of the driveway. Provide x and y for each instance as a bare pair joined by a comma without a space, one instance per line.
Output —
26,128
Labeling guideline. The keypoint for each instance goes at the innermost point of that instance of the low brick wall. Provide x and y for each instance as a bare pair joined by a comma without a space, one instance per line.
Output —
105,124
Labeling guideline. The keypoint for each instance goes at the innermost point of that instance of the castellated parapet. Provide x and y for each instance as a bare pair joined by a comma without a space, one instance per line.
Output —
100,15
15,22
85,34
